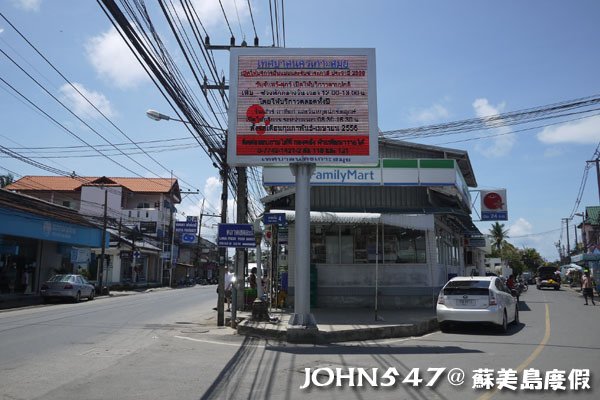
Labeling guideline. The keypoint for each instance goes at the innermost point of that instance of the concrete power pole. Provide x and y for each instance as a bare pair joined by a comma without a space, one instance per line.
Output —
242,218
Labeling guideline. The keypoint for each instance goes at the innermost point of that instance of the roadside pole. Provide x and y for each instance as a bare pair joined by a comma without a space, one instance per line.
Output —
302,318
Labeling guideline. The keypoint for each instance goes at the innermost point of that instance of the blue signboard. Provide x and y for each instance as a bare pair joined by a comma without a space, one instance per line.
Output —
186,227
236,235
274,219
494,215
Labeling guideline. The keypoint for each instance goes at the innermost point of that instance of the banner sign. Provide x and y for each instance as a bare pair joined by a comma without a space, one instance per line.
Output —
302,105
186,227
236,235
493,205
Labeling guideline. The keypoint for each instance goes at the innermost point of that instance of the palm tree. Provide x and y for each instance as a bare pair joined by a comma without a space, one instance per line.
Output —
499,235
6,180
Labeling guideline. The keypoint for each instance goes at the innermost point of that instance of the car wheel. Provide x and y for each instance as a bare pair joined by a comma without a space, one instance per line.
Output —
77,297
516,321
504,326
538,288
557,288
46,300
91,296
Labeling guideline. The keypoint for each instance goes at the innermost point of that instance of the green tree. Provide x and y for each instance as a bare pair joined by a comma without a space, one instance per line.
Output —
499,236
531,259
6,180
512,256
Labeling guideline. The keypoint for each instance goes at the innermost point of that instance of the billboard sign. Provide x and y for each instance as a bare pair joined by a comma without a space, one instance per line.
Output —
186,227
493,205
302,105
236,235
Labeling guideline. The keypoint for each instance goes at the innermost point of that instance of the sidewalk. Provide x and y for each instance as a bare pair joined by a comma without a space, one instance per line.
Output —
343,325
18,300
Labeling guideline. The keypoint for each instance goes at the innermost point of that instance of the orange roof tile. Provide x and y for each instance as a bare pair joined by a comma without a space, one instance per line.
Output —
68,184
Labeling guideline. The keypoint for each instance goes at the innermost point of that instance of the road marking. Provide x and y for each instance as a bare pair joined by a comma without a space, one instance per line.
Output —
531,357
217,342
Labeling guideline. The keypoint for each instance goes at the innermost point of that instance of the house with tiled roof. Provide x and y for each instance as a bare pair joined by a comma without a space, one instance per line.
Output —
142,205
590,227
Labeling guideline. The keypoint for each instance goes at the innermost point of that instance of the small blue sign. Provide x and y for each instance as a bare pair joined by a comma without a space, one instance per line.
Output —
274,219
494,215
236,235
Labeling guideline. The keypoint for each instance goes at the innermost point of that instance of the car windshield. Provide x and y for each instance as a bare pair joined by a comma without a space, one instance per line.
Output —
472,287
60,278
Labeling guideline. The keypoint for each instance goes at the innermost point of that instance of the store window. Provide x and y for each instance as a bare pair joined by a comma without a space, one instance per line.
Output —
356,244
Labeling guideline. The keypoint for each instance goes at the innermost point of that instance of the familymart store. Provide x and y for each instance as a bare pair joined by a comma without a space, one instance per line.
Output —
398,255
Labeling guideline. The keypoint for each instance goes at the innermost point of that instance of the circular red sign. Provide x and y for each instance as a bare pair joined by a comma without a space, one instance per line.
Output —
255,113
493,201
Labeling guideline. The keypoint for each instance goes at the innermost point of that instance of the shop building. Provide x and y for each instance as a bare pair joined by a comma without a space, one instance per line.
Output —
139,212
392,234
39,239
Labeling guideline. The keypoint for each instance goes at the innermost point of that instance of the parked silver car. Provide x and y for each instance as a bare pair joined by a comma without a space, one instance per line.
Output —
481,299
69,286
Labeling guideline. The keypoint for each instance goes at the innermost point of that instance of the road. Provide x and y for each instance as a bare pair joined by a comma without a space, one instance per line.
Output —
165,345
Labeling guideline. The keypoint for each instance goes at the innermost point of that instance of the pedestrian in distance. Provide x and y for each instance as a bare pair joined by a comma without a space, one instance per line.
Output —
587,286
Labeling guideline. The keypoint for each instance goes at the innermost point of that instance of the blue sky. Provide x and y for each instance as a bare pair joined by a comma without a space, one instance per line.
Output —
437,61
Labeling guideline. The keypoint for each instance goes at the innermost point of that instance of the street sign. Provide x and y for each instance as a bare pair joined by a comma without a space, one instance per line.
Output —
236,235
191,218
186,227
274,219
188,238
137,254
494,205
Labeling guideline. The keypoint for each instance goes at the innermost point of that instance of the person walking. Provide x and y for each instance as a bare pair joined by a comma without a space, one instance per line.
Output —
587,287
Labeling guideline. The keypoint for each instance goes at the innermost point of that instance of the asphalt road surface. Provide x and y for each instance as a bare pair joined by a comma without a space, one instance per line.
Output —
165,345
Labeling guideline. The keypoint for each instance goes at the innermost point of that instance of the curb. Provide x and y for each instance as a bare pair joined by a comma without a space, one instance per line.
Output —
279,332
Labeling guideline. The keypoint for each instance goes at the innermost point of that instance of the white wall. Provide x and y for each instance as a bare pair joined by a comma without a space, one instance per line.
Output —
92,200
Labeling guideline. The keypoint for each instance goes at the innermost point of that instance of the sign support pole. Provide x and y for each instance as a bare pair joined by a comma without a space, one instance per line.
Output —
302,318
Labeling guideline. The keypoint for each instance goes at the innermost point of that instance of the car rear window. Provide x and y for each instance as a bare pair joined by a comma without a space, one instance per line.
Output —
59,278
474,287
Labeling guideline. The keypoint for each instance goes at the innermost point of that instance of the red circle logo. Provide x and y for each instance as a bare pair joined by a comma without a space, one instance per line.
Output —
255,113
493,201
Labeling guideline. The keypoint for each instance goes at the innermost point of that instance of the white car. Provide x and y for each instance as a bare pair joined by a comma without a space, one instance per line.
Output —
481,299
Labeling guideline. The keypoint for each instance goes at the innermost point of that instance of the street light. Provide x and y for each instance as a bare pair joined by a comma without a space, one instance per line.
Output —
157,116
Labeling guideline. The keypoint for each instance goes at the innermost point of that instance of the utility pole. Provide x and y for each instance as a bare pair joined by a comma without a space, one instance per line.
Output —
100,269
568,244
240,256
597,162
198,248
222,250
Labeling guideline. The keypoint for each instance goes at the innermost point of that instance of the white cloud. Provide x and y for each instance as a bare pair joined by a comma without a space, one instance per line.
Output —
113,61
520,228
429,115
502,139
28,5
586,131
79,104
1,30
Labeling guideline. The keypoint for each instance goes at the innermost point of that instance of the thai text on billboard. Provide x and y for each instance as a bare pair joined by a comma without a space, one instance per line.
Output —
302,105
